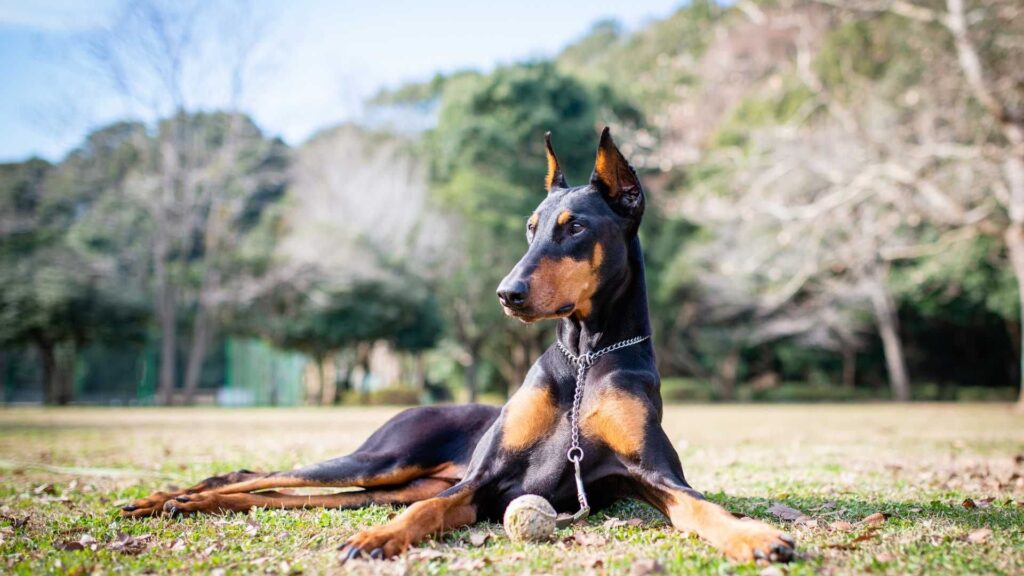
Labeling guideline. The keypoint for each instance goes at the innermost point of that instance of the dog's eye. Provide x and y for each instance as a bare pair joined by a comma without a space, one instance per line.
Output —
576,228
530,230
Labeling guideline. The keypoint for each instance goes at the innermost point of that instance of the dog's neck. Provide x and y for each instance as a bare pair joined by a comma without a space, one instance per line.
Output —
620,310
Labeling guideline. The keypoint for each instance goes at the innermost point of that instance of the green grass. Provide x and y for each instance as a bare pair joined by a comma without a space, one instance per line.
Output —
66,471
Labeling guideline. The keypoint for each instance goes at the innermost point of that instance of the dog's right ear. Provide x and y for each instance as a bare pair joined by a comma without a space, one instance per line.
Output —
554,178
616,179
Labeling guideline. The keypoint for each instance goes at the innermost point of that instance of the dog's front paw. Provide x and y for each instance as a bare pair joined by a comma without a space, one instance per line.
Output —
379,542
754,540
200,502
151,505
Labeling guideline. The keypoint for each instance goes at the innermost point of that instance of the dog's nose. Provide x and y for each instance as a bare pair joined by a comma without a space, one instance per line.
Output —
512,294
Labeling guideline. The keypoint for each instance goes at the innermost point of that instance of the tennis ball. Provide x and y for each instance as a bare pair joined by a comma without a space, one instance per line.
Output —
530,518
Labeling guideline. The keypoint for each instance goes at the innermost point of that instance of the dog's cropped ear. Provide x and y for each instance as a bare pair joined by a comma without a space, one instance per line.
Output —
554,178
616,179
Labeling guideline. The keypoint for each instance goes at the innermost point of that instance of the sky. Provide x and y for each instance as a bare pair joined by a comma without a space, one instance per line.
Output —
317,62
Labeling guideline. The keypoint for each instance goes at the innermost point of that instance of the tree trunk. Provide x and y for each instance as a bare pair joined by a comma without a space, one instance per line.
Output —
727,372
202,330
58,365
849,367
1014,235
363,352
1014,238
315,396
420,373
472,371
168,318
887,319
344,380
65,354
48,361
4,396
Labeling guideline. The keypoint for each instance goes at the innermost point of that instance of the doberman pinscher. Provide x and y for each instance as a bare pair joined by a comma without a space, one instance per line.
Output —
458,464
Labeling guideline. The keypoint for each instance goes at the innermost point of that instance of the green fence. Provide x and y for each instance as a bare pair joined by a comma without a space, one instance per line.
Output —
257,374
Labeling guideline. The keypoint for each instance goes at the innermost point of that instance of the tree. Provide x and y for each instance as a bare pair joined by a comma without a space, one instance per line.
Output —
983,51
166,58
487,176
57,292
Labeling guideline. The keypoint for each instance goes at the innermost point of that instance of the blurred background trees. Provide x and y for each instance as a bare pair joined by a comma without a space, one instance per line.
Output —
836,206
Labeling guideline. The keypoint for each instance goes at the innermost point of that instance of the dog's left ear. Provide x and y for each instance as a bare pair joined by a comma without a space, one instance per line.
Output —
616,179
554,178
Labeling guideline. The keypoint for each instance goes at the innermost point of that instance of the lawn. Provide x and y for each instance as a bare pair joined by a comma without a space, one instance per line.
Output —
924,489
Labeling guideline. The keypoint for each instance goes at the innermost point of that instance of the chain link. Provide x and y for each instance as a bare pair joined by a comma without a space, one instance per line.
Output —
575,454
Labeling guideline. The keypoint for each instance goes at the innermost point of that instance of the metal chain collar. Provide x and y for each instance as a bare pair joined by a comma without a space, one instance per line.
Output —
575,454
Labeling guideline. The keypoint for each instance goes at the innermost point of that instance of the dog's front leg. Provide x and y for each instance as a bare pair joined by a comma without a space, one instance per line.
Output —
660,480
629,425
452,509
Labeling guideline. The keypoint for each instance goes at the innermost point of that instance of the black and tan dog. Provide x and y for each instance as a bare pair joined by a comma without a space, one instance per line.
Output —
458,464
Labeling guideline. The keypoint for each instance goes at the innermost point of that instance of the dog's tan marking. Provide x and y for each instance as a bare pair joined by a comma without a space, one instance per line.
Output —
426,517
618,419
534,218
739,539
529,415
556,283
611,167
554,175
563,217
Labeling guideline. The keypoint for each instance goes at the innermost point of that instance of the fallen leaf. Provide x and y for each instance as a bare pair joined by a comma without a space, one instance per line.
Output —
968,503
875,519
178,545
16,523
646,566
783,512
478,539
68,545
468,564
44,489
841,526
770,571
589,539
866,535
252,527
425,554
127,544
978,536
613,522
885,557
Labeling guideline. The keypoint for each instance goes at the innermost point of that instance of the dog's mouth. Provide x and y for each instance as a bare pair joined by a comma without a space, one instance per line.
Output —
529,315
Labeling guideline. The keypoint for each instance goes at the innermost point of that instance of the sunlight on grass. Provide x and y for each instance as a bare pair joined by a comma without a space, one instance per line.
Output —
941,475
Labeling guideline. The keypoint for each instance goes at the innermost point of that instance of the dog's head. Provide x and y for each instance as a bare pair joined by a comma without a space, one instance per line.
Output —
578,238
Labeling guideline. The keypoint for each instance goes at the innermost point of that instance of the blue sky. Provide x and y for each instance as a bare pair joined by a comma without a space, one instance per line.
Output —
321,58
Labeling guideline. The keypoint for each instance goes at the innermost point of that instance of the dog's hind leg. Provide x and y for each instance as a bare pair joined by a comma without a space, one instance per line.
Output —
433,442
154,503
212,502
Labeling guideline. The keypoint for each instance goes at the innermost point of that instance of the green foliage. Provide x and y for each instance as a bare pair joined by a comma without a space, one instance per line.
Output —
321,322
487,169
957,283
648,66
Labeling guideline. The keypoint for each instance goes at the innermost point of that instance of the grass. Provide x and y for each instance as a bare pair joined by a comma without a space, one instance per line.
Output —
66,471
